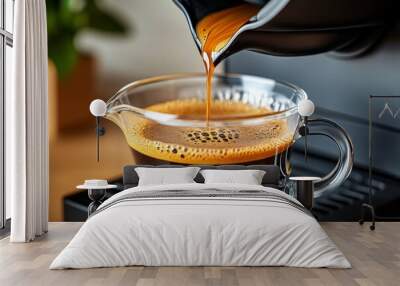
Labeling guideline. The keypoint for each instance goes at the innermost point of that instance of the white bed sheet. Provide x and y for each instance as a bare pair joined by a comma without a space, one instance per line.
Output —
200,232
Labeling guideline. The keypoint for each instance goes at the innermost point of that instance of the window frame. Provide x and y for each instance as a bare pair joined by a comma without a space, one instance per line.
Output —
6,39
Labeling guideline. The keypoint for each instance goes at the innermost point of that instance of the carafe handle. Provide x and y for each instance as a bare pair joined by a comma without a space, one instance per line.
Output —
336,133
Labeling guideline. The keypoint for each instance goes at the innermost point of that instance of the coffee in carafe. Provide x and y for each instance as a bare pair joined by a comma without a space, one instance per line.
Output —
212,145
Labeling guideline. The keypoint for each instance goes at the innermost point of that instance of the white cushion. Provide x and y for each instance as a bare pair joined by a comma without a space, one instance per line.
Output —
248,177
166,176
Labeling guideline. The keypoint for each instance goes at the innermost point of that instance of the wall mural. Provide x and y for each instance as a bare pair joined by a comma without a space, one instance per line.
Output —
210,119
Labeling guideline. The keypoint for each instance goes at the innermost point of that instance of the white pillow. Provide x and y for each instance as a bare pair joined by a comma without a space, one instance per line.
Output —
248,177
166,176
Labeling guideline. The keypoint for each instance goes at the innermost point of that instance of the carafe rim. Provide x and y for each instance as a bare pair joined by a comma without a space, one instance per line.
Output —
175,120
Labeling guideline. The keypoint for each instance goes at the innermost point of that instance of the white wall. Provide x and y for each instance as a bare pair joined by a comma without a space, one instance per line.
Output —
160,43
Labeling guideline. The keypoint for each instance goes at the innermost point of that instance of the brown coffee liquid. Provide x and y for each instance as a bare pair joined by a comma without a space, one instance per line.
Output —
215,31
205,145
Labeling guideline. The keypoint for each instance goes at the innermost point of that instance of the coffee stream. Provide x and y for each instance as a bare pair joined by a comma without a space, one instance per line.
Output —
214,32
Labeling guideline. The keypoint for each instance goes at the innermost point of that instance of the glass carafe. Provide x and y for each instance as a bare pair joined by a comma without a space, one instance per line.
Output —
254,120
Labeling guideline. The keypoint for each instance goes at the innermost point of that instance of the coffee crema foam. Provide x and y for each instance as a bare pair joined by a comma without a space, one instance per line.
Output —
204,145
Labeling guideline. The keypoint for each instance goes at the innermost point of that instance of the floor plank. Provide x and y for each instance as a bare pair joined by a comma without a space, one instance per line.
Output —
375,257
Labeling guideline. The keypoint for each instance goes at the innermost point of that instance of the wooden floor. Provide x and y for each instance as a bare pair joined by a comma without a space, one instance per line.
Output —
375,257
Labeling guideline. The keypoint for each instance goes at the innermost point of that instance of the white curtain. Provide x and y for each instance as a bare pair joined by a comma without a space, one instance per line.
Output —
26,124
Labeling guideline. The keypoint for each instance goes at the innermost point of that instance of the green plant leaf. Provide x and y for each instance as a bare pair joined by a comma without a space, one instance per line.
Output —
65,19
63,53
105,21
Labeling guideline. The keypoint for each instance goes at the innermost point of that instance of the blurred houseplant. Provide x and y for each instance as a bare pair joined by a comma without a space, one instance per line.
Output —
66,18
72,73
